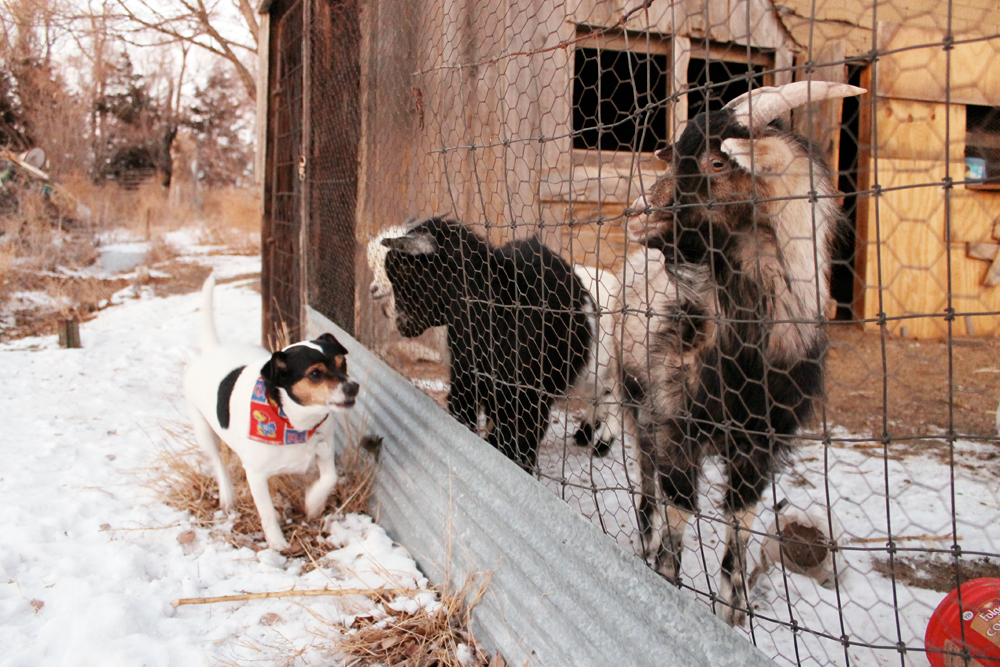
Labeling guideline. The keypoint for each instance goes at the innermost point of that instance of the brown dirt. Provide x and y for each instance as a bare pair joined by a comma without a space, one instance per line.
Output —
90,295
916,373
936,573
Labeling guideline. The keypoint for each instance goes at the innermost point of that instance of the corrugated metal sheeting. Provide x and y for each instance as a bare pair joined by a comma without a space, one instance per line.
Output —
561,592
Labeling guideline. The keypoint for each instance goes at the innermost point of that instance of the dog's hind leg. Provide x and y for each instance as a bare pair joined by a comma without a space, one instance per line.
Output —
320,490
265,509
209,442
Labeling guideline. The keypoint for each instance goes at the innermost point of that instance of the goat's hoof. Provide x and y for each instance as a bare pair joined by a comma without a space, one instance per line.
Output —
735,617
603,447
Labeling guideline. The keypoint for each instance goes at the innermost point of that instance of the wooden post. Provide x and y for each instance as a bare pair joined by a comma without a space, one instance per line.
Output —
69,334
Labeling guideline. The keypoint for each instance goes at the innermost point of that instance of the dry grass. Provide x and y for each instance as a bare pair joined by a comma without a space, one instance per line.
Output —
46,242
425,639
441,638
228,217
183,480
232,219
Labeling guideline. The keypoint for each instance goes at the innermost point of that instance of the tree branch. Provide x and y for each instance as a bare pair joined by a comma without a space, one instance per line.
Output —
194,27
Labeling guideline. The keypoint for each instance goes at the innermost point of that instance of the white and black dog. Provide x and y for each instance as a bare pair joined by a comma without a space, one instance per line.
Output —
271,409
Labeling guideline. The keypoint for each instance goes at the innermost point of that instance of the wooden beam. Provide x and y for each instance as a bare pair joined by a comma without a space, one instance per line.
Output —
982,250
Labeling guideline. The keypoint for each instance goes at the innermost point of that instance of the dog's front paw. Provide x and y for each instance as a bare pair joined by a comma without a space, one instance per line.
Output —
317,496
278,545
227,497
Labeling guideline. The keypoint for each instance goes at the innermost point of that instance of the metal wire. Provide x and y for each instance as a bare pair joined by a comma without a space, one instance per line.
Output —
520,121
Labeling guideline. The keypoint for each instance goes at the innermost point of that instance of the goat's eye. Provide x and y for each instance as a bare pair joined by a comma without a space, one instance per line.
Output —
717,164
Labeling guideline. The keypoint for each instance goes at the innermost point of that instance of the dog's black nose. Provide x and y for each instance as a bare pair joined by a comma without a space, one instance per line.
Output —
350,389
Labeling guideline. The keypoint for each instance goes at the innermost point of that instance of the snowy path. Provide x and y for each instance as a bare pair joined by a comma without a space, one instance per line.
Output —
89,558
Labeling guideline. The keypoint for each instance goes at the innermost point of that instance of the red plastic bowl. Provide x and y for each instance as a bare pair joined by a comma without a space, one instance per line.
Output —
980,618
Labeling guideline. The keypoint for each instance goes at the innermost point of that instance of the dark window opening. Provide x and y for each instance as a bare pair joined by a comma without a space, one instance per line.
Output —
982,142
843,278
713,83
619,100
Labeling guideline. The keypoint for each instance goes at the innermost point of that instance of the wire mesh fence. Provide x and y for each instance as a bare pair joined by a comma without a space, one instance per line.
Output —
744,322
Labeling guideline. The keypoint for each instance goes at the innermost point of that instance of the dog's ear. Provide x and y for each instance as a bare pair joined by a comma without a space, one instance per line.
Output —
276,367
328,339
415,242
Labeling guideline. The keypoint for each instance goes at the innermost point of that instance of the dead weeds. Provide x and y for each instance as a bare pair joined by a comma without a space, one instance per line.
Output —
441,638
183,481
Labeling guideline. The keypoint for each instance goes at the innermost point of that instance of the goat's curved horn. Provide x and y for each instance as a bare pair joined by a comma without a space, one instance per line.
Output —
770,102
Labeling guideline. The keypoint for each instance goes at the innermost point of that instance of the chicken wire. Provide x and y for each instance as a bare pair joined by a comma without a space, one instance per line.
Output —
541,119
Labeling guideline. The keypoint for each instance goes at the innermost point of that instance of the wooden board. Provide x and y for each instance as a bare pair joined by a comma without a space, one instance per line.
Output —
820,122
917,130
260,130
853,20
918,67
719,20
911,232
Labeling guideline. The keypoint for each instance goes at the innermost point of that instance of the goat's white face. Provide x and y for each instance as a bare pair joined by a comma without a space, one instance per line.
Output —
381,287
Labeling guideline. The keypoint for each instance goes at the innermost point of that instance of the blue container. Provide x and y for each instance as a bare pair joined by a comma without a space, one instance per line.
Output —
975,169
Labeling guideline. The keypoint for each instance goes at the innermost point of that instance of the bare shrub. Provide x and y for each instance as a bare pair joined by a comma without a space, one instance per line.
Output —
232,219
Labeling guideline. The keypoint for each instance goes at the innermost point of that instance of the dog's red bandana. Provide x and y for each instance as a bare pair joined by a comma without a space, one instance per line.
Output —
268,422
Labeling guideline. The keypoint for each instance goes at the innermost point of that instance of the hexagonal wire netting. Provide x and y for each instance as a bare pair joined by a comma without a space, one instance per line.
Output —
763,357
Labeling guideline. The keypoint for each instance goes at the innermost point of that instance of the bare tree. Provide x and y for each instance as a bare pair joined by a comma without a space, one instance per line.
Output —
198,23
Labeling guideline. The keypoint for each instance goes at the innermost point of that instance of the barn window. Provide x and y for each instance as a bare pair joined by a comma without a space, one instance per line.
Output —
712,82
982,145
619,100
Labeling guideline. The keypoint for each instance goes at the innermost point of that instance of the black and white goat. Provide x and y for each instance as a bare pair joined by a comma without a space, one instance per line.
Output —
723,344
518,327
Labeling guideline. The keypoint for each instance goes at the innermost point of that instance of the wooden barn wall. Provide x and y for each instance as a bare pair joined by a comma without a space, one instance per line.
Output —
908,134
921,140
467,111
850,22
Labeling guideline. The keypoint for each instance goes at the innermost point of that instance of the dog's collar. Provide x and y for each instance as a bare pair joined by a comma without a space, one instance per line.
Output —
269,423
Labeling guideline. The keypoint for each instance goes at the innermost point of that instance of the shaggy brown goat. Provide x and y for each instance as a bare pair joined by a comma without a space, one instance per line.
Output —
723,344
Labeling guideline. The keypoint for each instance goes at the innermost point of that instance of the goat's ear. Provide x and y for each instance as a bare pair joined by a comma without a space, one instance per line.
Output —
771,155
413,243
664,154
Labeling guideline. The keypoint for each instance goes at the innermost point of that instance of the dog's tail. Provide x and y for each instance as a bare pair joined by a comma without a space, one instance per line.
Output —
209,338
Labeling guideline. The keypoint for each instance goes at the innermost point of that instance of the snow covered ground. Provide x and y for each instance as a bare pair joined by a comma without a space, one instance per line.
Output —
90,559
912,489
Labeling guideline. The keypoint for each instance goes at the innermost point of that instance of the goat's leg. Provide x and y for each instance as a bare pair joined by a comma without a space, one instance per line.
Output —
521,417
749,472
669,495
463,404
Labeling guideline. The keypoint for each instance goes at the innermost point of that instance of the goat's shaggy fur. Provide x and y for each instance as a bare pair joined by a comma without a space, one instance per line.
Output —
518,329
739,233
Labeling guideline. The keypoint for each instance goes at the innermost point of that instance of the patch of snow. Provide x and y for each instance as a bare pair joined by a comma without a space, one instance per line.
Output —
122,257
911,493
20,301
